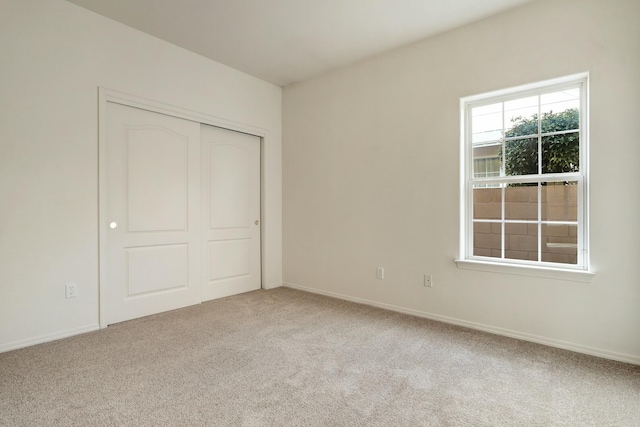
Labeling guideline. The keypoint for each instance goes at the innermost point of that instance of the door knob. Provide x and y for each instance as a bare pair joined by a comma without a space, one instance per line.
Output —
113,224
257,222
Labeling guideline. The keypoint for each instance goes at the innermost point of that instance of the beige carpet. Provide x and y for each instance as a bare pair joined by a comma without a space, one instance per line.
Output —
289,358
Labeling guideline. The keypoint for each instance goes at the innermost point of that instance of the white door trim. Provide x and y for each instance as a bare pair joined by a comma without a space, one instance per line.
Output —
108,95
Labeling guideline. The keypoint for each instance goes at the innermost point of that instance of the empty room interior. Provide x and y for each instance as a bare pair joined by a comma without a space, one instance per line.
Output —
371,212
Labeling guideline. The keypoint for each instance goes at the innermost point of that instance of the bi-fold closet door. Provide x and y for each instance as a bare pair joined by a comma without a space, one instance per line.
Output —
183,213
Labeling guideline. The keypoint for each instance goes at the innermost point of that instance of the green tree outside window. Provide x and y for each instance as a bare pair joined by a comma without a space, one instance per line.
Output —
560,152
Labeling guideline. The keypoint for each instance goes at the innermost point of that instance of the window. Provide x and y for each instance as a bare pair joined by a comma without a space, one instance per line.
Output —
524,164
486,166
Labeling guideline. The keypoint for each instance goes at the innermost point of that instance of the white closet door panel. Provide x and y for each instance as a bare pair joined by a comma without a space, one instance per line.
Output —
156,269
229,258
231,205
157,179
153,208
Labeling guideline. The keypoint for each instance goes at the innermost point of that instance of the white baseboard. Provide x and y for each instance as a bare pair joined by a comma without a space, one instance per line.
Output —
48,337
578,348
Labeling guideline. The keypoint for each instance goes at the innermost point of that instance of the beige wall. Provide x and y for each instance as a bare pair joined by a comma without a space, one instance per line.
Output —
371,176
53,57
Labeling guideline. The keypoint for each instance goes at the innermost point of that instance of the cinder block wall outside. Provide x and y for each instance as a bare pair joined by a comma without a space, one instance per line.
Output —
559,202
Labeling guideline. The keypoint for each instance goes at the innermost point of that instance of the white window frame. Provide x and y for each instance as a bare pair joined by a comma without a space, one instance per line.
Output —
575,272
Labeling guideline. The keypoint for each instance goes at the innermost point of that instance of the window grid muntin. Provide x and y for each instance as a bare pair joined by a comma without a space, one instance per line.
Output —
503,221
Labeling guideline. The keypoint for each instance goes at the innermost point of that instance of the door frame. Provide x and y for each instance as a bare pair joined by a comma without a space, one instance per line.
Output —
106,95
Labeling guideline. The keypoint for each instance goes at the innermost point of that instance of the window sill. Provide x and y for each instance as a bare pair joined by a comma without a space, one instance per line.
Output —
525,270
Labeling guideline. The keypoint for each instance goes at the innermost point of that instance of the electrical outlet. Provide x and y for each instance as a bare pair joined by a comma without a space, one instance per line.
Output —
380,273
428,280
71,290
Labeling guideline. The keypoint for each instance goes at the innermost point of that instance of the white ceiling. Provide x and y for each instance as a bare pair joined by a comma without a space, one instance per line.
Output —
285,41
